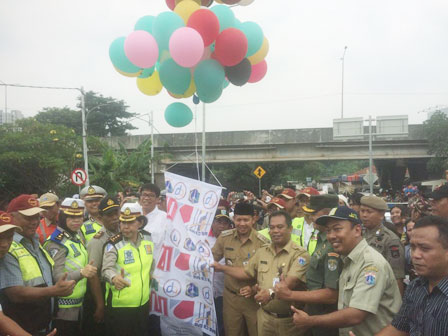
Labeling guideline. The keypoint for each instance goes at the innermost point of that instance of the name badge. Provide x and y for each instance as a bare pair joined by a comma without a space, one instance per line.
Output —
275,281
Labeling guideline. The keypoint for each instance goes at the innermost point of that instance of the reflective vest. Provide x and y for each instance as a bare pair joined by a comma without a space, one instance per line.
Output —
297,235
90,228
44,231
76,259
136,263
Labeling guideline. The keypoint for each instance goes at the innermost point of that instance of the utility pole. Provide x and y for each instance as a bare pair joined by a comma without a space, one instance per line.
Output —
342,86
84,135
203,142
151,121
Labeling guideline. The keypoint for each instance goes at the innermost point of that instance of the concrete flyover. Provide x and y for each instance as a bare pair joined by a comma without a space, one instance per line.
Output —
281,145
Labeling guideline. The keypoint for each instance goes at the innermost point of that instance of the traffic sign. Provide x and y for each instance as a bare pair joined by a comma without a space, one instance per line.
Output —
78,177
370,178
259,172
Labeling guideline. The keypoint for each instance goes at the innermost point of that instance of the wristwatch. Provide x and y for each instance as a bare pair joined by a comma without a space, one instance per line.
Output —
271,293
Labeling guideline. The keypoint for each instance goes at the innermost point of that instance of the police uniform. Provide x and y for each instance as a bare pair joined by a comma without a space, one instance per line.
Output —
239,312
127,310
367,283
388,244
91,226
323,272
275,317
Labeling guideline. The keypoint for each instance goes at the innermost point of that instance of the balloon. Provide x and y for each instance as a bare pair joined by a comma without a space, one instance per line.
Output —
164,25
145,23
195,100
258,72
129,74
141,49
254,36
118,57
206,3
245,2
179,1
209,76
171,4
185,8
178,115
261,53
206,23
147,72
230,2
225,84
151,85
186,46
207,53
225,16
174,78
231,47
239,74
190,91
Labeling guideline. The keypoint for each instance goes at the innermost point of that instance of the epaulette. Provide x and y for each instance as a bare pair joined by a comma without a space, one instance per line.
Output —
98,235
60,236
227,232
263,238
146,234
115,239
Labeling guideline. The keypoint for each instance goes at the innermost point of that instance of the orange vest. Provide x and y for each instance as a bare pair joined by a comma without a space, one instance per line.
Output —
44,231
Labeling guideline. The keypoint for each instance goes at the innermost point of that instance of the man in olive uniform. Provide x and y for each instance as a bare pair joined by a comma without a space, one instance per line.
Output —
368,293
323,274
92,196
108,215
381,238
281,259
237,246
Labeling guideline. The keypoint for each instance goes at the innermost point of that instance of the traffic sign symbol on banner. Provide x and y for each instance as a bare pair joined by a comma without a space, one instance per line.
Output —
78,177
259,172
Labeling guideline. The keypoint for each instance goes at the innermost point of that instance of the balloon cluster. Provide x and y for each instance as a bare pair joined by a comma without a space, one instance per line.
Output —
192,50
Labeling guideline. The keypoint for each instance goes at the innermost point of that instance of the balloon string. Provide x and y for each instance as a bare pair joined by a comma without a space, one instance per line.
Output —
196,139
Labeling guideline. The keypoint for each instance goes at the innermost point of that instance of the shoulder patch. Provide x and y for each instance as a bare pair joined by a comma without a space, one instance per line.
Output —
370,269
53,252
333,254
98,235
394,251
301,261
227,233
115,239
263,238
59,236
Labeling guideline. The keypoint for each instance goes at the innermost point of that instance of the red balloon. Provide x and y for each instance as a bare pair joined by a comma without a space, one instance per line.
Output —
206,23
171,4
258,71
230,47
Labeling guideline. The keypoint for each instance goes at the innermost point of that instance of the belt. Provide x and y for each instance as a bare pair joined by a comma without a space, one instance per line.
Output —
278,315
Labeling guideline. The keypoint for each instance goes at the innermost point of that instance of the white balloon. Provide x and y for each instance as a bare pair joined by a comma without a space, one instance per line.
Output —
245,2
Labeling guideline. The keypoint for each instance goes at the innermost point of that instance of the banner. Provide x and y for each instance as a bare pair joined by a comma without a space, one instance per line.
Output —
182,284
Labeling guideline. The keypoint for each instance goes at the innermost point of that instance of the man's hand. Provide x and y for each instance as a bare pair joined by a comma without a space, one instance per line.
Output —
63,287
350,333
282,290
119,282
53,332
246,291
218,267
262,296
98,316
89,271
300,318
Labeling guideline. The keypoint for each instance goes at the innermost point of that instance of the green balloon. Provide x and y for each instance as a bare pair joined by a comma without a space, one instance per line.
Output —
175,79
209,78
145,23
254,35
178,115
147,72
118,57
164,26
225,16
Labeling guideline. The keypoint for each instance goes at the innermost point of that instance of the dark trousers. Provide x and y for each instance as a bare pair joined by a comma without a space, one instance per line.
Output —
219,315
67,328
88,325
127,321
154,326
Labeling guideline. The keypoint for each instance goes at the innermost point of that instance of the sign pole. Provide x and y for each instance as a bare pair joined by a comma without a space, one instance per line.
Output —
259,187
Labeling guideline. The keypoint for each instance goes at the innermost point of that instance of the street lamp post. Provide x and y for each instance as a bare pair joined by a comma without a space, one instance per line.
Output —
84,135
342,86
6,101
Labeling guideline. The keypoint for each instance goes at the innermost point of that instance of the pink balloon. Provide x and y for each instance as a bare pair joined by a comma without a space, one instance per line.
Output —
186,47
171,4
141,49
258,72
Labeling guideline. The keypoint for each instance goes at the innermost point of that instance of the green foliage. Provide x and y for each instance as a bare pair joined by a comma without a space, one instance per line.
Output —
436,131
35,157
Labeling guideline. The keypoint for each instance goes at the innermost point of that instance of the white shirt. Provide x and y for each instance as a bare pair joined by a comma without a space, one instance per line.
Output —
156,226
307,232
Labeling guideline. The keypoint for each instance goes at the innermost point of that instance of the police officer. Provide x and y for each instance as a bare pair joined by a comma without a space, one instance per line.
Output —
92,196
323,273
108,215
381,238
26,271
69,253
368,293
281,259
238,246
127,269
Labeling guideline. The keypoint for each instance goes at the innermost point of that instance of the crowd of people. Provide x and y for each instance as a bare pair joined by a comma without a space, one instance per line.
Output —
294,262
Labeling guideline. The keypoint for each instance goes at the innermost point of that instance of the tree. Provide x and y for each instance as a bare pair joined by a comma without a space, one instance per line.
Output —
105,116
36,157
436,131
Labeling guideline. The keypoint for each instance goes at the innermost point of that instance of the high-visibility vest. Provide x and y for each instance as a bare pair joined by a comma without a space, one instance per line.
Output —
297,235
76,259
136,263
44,231
89,229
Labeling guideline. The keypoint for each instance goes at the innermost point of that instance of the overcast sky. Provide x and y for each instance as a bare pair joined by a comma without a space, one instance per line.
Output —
396,60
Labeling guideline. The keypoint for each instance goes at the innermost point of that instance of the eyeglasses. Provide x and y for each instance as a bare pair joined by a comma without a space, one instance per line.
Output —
145,195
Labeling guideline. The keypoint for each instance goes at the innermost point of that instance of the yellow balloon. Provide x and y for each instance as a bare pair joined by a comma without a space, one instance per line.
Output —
185,8
191,89
260,54
129,74
151,85
179,1
219,1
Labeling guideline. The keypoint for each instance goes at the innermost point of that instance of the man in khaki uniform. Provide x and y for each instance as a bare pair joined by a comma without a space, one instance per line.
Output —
368,293
238,246
380,237
282,260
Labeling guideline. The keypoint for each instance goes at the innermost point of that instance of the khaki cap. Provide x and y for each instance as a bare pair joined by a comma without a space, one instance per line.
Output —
48,200
374,202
